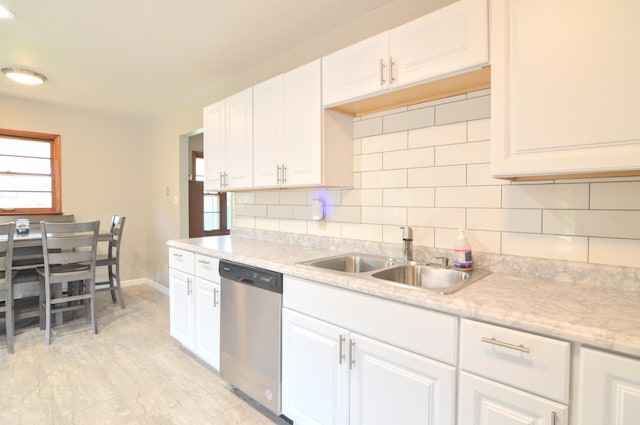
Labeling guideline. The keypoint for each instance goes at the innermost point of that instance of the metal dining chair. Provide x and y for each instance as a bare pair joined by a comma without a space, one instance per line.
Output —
69,251
112,261
6,285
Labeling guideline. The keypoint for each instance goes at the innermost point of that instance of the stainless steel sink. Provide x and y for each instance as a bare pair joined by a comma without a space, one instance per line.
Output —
352,263
443,280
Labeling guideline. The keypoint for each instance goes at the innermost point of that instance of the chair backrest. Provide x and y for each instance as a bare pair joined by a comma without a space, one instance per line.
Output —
67,244
117,227
6,253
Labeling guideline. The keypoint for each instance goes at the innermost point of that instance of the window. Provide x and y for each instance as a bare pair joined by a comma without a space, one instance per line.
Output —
29,173
209,212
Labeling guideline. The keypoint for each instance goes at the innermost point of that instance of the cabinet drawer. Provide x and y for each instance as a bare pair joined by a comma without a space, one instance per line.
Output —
533,363
422,331
181,260
207,268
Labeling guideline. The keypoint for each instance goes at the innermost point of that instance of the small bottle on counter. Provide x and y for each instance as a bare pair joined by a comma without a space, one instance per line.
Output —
462,255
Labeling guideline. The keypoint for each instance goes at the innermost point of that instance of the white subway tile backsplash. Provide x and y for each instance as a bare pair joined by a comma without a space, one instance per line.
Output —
367,127
505,220
440,135
471,197
280,211
548,196
613,224
362,197
415,118
411,158
293,197
368,162
366,232
437,176
437,217
383,179
272,224
384,215
342,214
480,175
479,130
428,166
570,248
269,198
409,197
466,153
615,196
464,110
616,252
384,142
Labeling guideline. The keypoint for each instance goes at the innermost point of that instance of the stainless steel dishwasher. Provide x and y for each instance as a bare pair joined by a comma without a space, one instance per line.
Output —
250,321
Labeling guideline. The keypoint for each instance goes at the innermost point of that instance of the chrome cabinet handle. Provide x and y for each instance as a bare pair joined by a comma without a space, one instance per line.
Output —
177,254
392,79
215,297
382,80
518,347
284,174
189,290
352,354
204,262
341,355
554,417
277,173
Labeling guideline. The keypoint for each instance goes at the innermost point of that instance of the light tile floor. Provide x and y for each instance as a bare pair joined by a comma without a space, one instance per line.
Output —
132,372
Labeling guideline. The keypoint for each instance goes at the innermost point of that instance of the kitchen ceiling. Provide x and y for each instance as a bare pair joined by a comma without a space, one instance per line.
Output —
142,57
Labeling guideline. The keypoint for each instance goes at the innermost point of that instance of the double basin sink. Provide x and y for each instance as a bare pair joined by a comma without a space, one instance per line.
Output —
409,273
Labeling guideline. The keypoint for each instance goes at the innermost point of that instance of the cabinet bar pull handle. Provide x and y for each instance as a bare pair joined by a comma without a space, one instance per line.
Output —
284,174
341,355
177,254
494,341
554,417
278,179
188,286
226,179
215,297
204,262
392,79
382,81
352,354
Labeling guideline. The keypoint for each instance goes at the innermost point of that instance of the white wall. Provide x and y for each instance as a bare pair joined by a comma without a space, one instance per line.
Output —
427,166
102,168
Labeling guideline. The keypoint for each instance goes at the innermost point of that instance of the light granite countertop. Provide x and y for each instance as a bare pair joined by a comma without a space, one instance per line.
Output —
595,315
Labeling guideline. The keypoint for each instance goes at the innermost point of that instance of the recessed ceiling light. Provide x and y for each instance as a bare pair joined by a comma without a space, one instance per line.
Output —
6,13
24,76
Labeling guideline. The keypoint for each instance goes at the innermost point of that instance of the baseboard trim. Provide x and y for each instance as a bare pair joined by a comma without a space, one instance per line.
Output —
145,281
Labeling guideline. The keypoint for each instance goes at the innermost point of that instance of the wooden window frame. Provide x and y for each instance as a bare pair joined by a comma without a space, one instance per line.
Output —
56,183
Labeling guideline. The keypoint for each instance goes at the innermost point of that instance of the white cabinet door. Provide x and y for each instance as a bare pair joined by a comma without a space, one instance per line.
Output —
315,371
448,41
268,132
181,307
215,146
228,143
302,141
356,71
393,386
240,140
609,389
207,321
484,402
564,79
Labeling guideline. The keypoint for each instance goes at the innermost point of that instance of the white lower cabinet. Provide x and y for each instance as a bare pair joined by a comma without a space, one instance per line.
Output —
609,389
511,377
334,375
194,304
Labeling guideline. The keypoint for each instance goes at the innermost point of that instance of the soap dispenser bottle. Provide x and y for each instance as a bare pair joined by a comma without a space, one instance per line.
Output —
462,255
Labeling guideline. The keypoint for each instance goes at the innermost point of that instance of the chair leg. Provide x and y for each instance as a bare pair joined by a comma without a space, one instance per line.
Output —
47,328
111,284
41,303
92,300
119,286
9,325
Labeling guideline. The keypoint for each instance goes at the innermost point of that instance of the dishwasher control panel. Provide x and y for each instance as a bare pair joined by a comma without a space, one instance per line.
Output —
249,275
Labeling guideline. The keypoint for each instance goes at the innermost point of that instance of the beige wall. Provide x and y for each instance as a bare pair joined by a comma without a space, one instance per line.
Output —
102,167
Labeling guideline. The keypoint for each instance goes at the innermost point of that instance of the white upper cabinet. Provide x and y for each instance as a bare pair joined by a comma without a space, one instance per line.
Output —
450,40
228,143
295,140
564,88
